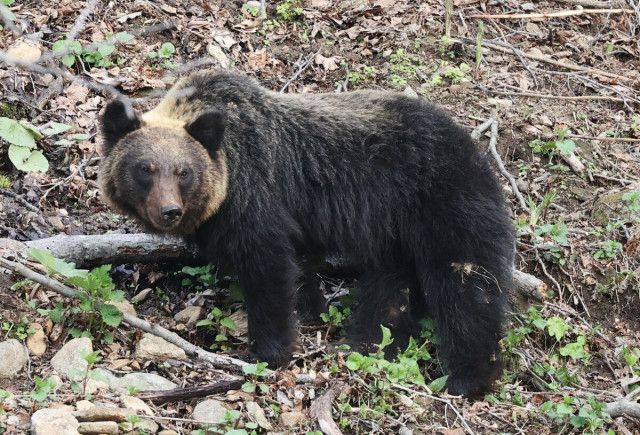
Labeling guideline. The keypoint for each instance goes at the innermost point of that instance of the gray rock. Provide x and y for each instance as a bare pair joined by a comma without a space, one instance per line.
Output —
54,421
103,413
13,356
153,348
69,361
99,427
136,405
209,411
167,432
138,380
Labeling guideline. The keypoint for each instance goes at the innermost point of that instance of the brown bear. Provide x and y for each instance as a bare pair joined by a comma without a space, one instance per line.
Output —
271,182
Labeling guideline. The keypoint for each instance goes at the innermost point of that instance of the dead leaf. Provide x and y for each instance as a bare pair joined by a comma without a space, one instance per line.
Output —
328,63
257,59
214,50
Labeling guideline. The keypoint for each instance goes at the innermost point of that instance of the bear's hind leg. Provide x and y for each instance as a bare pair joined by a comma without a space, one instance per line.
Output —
384,299
467,305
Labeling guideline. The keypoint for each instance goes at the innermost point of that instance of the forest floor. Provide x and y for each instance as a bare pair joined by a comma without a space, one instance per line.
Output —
565,93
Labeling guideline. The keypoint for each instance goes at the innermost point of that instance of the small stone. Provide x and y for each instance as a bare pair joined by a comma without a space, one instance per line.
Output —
54,421
126,307
103,413
153,348
144,382
92,386
83,405
136,405
26,51
56,223
209,411
98,427
69,360
167,432
37,342
291,419
190,315
256,414
13,356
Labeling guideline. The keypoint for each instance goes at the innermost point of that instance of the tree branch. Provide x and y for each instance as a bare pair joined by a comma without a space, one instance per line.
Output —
94,250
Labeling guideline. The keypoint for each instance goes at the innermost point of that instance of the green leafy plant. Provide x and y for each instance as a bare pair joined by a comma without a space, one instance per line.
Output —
632,200
202,277
335,317
403,370
43,388
96,294
20,330
403,66
255,372
559,145
79,380
23,151
586,415
5,182
222,324
162,57
608,249
98,55
289,10
457,74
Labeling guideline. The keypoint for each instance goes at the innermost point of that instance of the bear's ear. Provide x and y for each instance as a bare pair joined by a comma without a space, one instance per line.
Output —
118,120
208,129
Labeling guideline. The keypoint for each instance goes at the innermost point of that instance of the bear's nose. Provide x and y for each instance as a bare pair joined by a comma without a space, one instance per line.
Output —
170,213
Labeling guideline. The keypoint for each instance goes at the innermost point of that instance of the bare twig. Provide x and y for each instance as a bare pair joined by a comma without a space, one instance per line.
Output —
180,394
81,21
503,170
593,3
303,66
559,14
508,48
20,199
447,402
555,97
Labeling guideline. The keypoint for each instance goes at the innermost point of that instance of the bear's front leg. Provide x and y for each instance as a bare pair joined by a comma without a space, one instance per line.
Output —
268,276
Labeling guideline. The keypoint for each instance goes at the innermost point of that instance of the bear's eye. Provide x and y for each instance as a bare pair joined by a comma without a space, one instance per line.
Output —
183,173
145,168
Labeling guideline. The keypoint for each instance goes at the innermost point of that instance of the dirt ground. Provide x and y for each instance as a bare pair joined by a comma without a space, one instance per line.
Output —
564,92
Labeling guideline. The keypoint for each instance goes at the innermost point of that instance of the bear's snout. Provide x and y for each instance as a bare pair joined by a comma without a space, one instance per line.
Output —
171,213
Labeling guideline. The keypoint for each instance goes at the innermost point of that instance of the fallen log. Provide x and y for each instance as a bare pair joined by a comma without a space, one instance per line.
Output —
92,250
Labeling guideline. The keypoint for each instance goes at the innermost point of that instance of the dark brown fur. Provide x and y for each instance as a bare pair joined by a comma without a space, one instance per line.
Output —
388,181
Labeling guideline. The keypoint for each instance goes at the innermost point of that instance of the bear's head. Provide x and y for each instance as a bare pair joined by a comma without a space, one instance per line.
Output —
169,174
